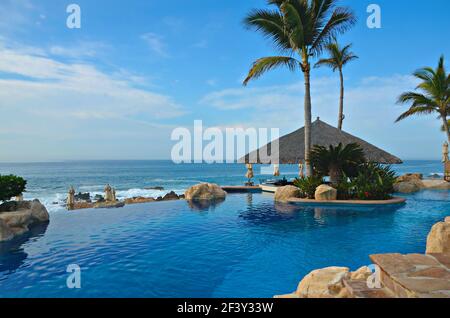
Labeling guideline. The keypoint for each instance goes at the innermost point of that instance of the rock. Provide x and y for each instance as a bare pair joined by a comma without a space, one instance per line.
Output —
139,200
409,183
325,193
323,283
99,198
171,196
447,219
83,197
438,240
6,234
287,296
81,206
410,177
205,192
406,187
154,188
182,197
361,274
109,205
436,184
285,193
19,221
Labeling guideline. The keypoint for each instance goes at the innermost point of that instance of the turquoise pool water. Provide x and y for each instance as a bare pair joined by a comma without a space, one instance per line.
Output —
245,247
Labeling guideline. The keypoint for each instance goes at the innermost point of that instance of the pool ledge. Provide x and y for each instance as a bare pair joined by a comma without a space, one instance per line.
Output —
393,201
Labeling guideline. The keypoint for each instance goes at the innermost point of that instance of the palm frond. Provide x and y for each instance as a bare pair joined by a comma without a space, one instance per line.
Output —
418,110
341,20
265,64
270,23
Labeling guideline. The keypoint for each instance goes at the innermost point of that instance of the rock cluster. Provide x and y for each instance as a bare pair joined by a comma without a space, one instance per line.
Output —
16,218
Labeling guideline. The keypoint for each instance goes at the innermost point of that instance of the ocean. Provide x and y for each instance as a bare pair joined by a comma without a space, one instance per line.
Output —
49,182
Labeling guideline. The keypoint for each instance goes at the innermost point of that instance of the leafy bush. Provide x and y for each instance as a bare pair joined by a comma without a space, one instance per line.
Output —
373,182
337,161
308,185
345,189
11,186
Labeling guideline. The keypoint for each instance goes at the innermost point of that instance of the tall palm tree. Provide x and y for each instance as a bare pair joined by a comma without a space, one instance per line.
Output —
434,97
338,58
300,29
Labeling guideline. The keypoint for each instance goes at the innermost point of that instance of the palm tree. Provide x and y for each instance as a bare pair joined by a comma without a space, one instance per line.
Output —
337,161
300,29
448,123
435,96
338,58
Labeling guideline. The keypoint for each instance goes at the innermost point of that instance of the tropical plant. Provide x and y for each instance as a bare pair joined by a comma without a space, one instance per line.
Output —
337,58
434,97
373,182
345,189
337,161
11,186
308,185
300,29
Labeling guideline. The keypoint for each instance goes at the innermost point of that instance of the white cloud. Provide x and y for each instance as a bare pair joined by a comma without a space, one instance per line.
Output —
79,50
156,44
370,108
60,110
79,90
16,14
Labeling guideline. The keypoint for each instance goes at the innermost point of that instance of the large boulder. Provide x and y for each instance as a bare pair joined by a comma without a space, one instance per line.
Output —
325,193
410,177
17,218
323,283
438,240
409,183
283,194
407,187
205,192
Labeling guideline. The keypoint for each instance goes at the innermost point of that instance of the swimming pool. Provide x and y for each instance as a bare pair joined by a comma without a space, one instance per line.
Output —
248,246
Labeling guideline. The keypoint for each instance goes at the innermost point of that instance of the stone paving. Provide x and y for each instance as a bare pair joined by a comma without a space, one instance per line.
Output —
415,275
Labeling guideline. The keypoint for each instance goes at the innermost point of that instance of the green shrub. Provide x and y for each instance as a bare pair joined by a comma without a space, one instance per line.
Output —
11,186
345,189
308,185
374,182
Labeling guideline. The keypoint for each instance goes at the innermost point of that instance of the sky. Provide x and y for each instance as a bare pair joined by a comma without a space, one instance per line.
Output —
117,87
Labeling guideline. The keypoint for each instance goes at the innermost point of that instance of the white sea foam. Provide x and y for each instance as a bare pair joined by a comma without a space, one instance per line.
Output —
55,202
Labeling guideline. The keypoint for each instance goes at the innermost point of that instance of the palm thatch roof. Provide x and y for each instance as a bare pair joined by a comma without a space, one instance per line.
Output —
292,146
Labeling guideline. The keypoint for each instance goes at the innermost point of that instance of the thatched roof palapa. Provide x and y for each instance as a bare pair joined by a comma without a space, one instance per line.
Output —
292,146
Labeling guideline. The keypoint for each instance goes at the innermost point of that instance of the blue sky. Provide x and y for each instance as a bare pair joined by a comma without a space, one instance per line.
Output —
117,87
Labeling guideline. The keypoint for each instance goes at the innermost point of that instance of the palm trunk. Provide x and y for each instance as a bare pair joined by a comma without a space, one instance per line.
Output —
335,175
309,171
341,101
446,127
